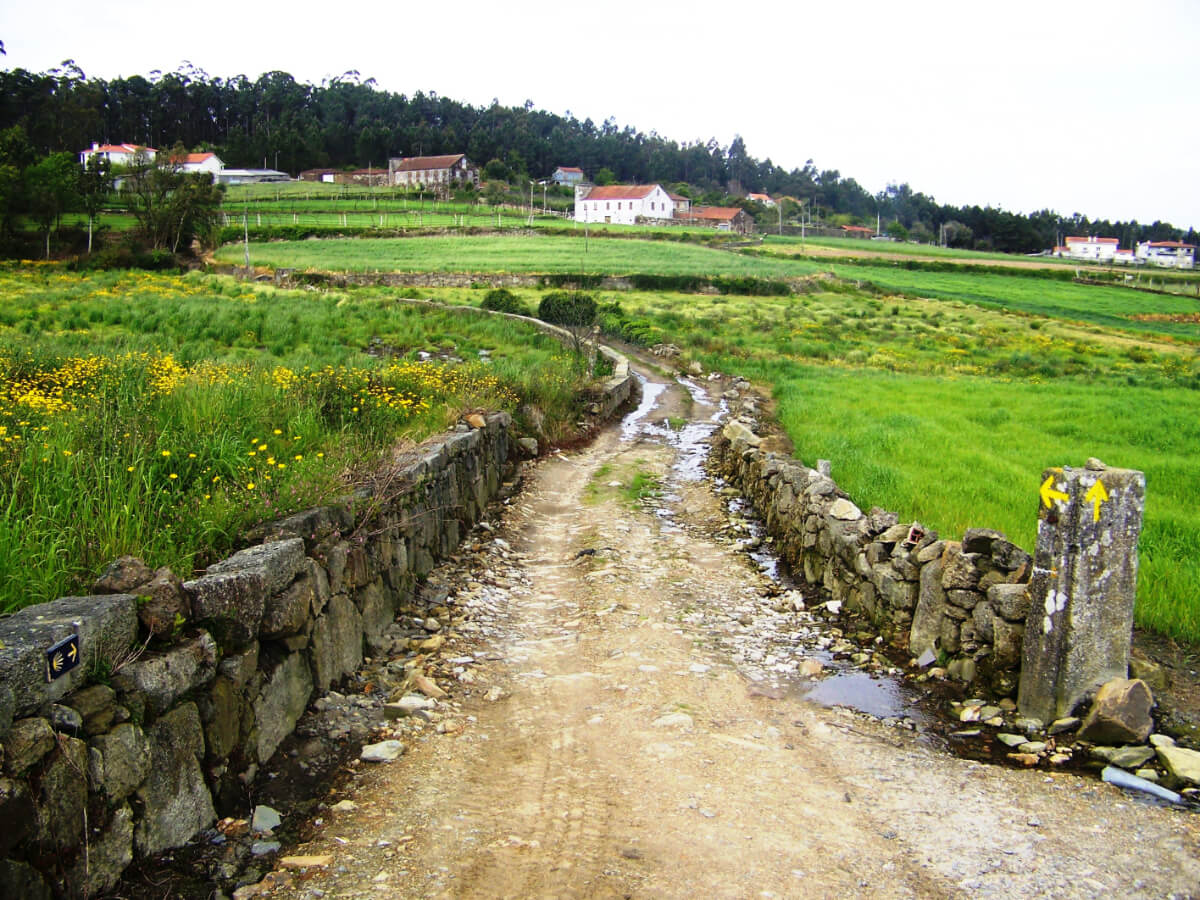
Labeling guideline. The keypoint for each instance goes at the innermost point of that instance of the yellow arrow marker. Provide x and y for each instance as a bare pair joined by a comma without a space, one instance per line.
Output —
1096,495
72,651
1048,492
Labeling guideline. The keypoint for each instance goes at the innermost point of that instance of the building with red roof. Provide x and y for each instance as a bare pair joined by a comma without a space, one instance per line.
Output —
1095,249
432,171
1169,254
622,204
723,218
116,154
567,175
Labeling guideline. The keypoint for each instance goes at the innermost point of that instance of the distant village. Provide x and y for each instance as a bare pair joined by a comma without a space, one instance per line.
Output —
615,204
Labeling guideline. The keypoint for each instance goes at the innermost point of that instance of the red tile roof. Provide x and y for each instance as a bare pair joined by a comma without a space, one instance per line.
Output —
1095,240
425,163
716,213
858,228
192,158
119,148
569,169
1175,244
621,192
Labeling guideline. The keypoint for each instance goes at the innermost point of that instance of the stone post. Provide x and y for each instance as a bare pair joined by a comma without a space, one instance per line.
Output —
1080,623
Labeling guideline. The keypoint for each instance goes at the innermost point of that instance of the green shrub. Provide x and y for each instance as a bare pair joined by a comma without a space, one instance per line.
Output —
571,309
503,300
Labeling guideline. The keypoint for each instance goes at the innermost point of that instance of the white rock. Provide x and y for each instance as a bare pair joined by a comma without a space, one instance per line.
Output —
845,510
265,820
673,720
343,806
384,751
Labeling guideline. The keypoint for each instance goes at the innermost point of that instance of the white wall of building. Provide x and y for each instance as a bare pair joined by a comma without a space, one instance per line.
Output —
657,204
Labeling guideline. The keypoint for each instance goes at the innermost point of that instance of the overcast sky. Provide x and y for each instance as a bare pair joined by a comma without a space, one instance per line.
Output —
1079,107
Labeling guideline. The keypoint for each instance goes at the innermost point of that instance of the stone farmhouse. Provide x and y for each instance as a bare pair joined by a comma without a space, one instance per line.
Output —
723,218
567,175
432,171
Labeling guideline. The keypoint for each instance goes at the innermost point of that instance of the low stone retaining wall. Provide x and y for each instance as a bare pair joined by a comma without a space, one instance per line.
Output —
961,603
174,693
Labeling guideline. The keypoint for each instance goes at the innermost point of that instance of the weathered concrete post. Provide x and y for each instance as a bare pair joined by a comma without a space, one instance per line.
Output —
1080,624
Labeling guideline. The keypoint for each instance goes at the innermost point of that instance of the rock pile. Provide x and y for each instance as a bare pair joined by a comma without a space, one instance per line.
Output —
961,601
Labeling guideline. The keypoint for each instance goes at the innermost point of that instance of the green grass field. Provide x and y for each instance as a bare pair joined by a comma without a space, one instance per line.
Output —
512,254
161,416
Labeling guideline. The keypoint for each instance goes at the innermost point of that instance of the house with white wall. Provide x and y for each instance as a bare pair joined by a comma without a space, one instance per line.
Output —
115,154
1169,254
1096,249
622,204
199,162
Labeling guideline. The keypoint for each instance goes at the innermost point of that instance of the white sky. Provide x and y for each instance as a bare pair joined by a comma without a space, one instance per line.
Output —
1084,107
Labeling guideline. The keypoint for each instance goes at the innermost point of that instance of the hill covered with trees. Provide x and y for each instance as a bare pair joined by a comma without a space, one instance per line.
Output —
347,121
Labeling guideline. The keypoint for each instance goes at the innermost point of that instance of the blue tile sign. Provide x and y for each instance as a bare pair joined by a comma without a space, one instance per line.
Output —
62,657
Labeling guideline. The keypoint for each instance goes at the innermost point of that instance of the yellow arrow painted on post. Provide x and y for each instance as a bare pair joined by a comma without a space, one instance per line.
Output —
71,652
1048,492
1096,495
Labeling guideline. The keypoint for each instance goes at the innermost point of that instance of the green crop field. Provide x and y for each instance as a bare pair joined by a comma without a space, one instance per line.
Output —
1098,304
161,415
855,246
513,254
947,411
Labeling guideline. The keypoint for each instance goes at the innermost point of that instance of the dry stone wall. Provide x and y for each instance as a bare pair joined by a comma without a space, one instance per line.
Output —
961,604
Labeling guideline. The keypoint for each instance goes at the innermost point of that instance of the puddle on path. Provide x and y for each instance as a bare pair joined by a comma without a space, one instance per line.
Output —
768,652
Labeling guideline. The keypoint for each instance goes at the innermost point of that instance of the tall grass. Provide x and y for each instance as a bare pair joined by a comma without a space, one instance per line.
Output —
161,416
962,453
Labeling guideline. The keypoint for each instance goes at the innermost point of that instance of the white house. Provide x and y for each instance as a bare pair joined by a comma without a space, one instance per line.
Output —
116,154
622,204
764,199
1097,249
199,162
1170,254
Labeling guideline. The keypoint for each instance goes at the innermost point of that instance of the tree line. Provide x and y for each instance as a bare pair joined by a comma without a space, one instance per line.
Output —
276,121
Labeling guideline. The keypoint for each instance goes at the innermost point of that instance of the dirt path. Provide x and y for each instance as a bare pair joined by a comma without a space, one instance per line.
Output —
615,732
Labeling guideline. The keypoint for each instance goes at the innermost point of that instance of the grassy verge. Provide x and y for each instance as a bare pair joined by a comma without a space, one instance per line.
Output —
161,416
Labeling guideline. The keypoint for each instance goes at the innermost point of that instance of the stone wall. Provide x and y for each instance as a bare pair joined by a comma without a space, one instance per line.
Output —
184,689
961,604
